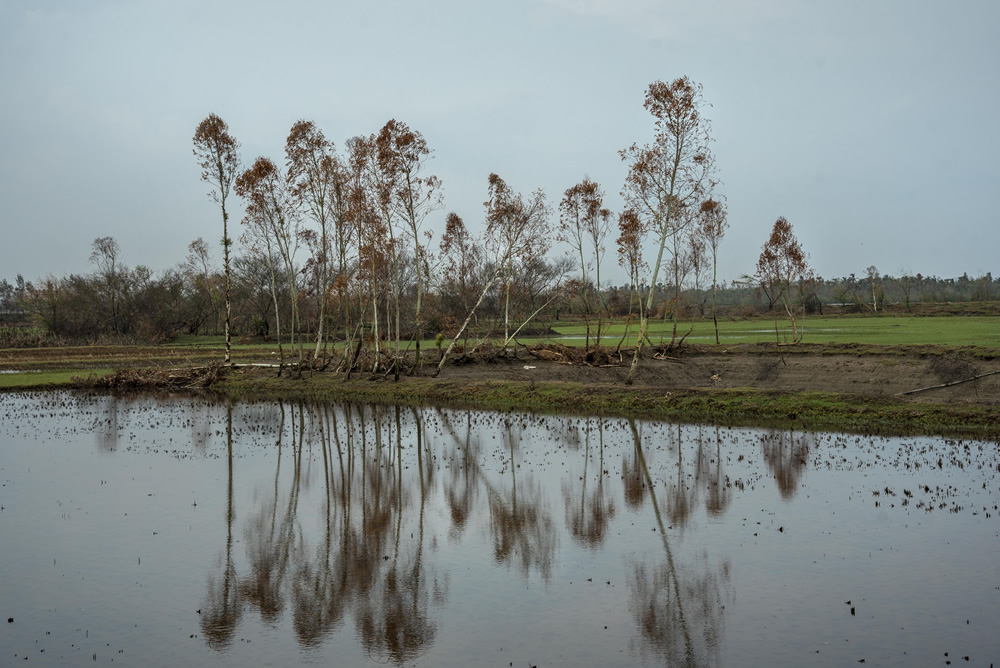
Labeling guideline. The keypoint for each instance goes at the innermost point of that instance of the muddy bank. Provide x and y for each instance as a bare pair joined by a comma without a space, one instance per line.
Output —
852,387
856,388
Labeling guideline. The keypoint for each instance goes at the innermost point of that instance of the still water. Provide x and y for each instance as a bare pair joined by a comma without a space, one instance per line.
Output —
178,530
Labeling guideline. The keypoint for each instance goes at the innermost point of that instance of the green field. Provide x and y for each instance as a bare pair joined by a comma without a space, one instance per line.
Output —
882,330
43,379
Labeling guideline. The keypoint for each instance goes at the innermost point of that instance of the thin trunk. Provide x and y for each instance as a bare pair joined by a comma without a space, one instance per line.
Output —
465,324
225,261
715,275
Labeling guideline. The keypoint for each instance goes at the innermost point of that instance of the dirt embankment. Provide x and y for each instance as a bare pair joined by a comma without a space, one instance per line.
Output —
864,370
868,371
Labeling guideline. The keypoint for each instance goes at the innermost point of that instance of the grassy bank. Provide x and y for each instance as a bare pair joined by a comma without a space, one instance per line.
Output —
740,407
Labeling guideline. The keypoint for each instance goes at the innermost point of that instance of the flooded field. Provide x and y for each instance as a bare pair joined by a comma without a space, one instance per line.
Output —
176,530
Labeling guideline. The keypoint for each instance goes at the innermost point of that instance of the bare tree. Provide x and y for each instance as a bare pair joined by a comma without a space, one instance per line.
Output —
874,285
106,257
781,264
217,153
666,177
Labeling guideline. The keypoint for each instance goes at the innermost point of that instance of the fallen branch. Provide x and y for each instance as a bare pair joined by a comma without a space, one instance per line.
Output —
954,382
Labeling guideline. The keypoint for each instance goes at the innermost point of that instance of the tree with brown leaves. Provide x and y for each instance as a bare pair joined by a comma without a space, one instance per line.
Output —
631,233
313,170
217,153
517,229
402,154
583,224
272,231
666,177
712,226
781,265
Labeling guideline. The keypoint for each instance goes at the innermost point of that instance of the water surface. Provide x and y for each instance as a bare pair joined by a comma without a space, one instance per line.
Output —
178,530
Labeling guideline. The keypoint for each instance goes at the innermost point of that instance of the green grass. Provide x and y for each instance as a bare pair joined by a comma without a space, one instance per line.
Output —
45,379
983,331
882,330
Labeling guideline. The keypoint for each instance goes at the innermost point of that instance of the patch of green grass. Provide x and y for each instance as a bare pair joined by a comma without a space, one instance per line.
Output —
882,330
46,379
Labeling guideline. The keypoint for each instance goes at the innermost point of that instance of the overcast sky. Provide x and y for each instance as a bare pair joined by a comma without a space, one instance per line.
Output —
871,125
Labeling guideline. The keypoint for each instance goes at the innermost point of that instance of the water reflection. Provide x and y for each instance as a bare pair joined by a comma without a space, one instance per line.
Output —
588,518
786,454
355,533
678,609
222,608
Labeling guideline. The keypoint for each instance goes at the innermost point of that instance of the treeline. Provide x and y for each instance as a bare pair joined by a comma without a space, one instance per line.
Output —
116,303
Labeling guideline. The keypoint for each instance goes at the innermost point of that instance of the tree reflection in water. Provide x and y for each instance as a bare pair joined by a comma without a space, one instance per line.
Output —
367,561
462,487
719,493
523,531
588,518
786,454
222,608
679,613
369,475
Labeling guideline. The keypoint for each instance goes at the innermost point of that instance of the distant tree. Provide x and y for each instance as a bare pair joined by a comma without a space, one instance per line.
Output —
666,177
782,263
874,286
217,153
111,278
906,283
712,226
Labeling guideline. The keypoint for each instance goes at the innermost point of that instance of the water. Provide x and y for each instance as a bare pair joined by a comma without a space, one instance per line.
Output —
176,530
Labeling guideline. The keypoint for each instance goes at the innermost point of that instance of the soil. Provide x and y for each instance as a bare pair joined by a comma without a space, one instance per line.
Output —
866,371
869,371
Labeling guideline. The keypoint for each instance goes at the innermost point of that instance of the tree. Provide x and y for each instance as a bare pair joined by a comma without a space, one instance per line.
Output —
217,153
712,227
272,230
463,263
312,172
666,177
781,264
401,156
874,285
516,230
631,232
110,283
582,222
906,283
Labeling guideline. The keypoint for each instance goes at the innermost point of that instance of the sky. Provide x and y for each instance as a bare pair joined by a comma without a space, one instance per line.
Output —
871,125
